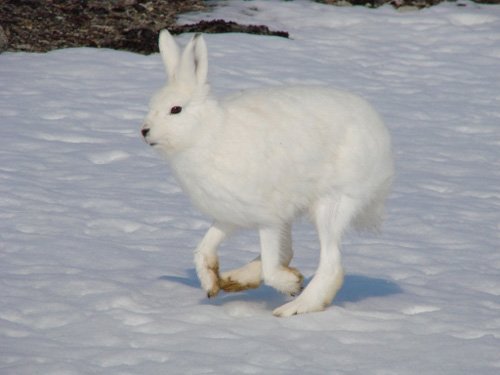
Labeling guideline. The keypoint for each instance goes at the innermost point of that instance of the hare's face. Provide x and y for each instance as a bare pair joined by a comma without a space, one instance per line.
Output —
171,119
175,112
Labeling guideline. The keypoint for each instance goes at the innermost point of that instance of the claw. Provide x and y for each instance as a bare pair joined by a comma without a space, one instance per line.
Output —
213,293
295,294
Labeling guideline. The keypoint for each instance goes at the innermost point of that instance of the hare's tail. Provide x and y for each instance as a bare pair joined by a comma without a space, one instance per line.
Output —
371,215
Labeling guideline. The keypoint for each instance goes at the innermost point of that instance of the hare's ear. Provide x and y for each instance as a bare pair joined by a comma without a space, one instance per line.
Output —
194,61
201,59
170,53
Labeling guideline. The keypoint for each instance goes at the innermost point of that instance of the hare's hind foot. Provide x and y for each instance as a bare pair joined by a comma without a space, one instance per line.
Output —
316,297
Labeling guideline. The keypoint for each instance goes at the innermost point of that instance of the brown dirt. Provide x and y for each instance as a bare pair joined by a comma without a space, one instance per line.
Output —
133,25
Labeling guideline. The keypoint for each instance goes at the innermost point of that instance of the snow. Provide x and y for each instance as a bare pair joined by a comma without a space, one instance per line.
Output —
96,237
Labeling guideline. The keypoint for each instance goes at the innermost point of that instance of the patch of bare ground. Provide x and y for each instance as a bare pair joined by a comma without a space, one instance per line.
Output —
132,25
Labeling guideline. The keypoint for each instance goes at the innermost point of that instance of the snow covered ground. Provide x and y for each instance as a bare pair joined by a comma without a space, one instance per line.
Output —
96,238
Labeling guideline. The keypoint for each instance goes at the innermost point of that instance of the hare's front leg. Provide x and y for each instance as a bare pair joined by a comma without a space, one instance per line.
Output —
247,277
206,259
276,254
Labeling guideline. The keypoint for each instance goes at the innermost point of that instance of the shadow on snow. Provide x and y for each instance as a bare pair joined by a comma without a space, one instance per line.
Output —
356,288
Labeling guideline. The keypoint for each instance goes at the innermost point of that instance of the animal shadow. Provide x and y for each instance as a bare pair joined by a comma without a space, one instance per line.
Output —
191,279
356,288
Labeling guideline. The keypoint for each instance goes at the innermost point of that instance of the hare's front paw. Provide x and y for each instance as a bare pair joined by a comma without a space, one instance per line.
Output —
243,278
287,280
208,274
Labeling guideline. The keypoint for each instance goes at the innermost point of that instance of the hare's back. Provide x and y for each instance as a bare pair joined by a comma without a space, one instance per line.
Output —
314,108
318,134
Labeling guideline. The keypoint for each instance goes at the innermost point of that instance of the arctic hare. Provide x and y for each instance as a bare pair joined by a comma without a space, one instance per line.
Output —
261,158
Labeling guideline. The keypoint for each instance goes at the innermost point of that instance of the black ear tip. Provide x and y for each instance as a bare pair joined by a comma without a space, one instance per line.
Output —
197,35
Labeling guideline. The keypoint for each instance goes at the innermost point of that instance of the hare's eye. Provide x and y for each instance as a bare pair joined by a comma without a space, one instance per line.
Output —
175,110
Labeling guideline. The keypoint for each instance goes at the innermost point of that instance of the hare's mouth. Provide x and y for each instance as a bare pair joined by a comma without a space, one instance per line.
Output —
145,135
150,143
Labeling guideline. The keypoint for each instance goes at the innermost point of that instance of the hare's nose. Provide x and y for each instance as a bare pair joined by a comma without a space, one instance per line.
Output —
145,132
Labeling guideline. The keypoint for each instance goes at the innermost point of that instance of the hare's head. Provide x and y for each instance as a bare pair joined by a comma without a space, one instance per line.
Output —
176,109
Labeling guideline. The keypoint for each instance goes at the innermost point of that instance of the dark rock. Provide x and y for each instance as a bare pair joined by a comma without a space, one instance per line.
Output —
3,40
221,26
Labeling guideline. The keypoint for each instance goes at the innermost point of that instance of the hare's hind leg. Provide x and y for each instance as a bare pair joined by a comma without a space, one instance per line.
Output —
206,259
276,255
332,215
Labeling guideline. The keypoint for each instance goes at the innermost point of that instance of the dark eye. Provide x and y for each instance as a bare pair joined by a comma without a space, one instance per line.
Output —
175,110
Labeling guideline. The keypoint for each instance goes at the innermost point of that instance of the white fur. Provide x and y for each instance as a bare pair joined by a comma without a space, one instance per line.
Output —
263,157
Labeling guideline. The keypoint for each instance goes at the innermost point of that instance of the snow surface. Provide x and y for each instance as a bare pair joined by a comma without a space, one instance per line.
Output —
96,238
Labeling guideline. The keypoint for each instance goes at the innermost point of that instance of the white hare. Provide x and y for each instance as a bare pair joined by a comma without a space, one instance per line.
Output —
261,158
